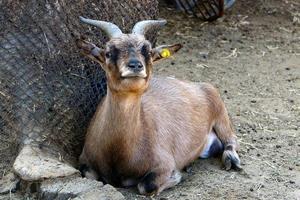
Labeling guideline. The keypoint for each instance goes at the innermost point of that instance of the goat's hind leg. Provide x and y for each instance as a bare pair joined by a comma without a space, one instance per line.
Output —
222,127
213,146
225,133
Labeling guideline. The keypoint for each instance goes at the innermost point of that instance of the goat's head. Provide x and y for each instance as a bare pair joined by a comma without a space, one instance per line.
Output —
127,58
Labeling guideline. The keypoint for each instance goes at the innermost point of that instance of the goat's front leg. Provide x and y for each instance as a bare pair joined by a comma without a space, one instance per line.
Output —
85,169
156,182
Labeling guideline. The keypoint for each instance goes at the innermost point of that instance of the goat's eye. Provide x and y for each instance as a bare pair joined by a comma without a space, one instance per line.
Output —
107,55
145,51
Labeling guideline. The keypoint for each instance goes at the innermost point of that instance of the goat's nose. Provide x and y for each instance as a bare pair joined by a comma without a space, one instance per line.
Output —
135,65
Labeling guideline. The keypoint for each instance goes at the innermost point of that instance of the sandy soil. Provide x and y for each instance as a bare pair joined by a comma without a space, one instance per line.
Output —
253,56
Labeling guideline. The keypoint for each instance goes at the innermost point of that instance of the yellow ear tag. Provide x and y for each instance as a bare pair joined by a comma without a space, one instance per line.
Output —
165,53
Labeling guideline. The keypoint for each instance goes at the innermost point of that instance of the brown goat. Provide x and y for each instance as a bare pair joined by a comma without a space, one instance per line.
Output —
147,129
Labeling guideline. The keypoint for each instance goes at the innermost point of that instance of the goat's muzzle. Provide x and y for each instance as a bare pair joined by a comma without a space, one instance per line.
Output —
134,69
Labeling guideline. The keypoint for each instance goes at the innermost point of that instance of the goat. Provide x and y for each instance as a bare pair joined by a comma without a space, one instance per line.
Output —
147,129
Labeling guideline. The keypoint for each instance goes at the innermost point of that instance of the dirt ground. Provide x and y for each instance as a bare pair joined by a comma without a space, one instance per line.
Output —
253,56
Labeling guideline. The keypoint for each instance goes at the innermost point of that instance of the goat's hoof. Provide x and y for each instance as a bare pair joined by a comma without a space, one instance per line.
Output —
88,172
147,186
231,160
188,169
147,189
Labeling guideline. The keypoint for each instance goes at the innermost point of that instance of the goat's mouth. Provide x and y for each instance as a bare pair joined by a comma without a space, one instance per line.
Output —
132,75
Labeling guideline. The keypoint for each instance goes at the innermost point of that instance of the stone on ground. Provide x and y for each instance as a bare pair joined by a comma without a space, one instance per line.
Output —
32,164
107,192
78,188
8,183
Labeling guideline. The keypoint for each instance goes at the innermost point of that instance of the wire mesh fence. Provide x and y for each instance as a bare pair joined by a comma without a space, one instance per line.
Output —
48,91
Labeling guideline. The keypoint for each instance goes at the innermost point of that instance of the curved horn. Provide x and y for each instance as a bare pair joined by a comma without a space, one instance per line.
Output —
143,27
110,29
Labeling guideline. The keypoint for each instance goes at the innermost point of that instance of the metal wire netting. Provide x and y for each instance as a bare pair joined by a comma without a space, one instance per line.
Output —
48,91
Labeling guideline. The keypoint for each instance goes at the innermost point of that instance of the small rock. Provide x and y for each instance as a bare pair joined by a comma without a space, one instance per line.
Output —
107,192
280,179
296,18
292,182
33,164
203,55
251,189
278,146
182,194
9,183
68,187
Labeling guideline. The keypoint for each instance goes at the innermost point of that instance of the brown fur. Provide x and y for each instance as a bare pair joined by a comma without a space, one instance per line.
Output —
145,125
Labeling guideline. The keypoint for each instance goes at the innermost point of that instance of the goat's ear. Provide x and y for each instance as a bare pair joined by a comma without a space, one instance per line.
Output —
164,51
92,51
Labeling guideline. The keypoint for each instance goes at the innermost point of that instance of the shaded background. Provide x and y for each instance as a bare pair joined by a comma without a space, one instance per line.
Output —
48,91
